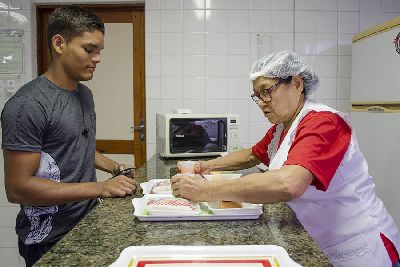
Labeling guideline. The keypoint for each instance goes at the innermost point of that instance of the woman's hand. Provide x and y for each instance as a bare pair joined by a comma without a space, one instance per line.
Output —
193,187
200,168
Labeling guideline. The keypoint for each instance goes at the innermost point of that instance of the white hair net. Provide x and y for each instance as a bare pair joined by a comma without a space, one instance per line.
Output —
282,65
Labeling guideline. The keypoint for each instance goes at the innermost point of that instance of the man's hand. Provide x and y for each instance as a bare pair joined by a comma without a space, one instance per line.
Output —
193,187
122,169
118,186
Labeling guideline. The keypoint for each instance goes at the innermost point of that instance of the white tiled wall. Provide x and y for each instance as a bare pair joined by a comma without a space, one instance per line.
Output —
198,54
14,15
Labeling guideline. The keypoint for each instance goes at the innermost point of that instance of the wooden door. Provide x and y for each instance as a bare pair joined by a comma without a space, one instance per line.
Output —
133,14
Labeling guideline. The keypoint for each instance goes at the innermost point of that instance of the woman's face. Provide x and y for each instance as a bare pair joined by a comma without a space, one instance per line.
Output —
283,102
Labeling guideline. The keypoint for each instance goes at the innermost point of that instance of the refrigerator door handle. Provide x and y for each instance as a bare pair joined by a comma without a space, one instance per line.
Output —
375,108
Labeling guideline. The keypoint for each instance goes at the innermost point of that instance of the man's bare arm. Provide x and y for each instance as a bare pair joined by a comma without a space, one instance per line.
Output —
24,188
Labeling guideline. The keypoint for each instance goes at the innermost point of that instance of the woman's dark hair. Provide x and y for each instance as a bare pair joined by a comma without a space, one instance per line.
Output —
71,21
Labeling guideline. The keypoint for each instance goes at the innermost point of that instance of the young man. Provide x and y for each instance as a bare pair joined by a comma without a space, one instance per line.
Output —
48,138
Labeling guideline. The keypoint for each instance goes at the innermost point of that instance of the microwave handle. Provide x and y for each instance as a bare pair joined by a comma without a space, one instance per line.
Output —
222,134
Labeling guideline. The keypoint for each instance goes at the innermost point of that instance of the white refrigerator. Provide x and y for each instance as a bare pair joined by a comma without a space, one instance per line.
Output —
375,113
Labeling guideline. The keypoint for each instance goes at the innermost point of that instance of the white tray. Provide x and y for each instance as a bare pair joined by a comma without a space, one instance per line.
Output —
148,186
202,256
231,214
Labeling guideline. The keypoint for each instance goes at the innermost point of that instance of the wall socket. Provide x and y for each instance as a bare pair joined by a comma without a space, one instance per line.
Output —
11,86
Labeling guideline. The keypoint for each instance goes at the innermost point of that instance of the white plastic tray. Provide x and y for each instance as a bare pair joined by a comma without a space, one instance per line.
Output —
230,214
202,256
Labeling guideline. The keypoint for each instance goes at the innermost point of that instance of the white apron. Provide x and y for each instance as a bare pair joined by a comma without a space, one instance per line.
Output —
347,219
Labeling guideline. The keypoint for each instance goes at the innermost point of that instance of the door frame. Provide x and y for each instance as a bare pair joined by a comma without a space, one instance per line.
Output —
110,13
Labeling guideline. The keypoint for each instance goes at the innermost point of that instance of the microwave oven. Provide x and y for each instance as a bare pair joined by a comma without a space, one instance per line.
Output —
192,135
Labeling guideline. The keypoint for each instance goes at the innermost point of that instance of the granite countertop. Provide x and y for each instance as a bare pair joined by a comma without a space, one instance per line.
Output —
110,227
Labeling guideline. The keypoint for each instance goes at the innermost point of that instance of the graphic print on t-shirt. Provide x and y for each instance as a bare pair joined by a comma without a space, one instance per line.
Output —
41,217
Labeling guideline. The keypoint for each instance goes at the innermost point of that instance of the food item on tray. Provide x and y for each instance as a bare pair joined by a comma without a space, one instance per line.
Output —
171,205
162,187
229,205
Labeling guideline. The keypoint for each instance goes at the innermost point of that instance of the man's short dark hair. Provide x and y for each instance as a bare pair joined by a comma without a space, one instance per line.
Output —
72,21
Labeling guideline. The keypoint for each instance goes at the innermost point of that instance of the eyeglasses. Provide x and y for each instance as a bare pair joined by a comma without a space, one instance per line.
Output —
266,93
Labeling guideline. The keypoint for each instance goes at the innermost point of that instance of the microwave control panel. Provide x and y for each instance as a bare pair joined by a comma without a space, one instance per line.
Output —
233,134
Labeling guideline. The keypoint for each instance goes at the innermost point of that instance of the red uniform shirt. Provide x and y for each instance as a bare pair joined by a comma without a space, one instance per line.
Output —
320,142
319,145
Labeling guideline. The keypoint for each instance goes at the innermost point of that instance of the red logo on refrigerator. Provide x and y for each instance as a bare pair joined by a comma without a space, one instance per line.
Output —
397,43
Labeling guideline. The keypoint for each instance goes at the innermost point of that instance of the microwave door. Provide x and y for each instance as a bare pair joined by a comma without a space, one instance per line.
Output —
198,135
189,137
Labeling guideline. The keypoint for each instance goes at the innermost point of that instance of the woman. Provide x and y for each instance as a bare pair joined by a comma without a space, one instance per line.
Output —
315,165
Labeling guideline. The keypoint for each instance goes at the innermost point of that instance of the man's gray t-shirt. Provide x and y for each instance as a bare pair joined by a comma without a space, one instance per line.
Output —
61,125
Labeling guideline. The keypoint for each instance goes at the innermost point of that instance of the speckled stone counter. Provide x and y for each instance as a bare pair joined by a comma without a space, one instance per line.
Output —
110,227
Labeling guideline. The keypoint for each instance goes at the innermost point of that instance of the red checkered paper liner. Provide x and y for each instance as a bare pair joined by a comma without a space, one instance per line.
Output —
175,205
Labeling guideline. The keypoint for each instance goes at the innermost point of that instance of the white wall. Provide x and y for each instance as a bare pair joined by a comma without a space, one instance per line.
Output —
198,54
14,15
